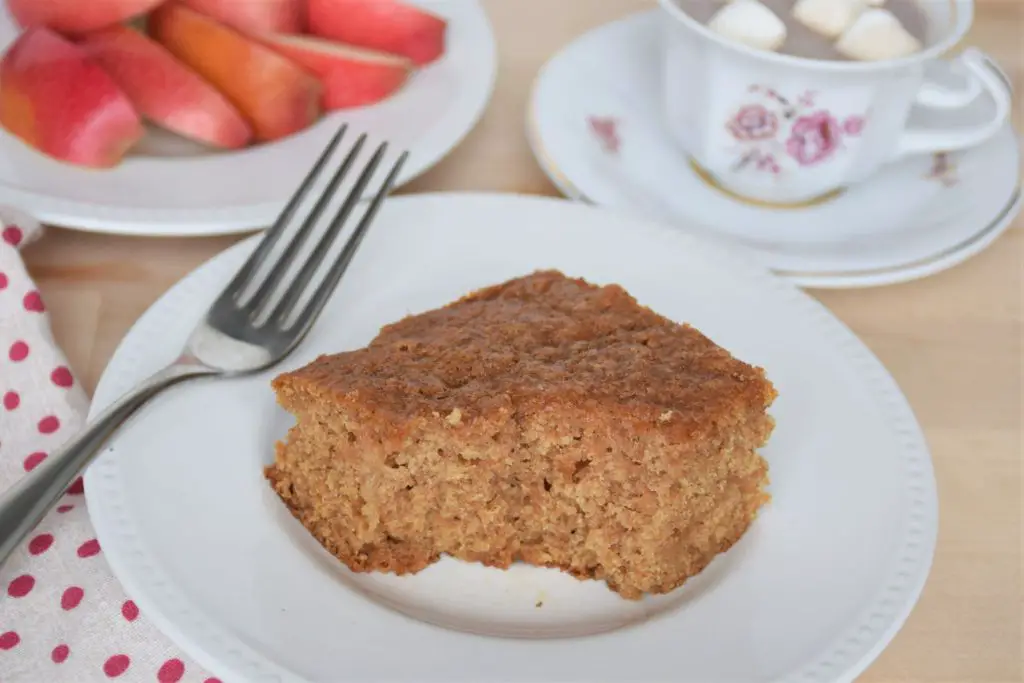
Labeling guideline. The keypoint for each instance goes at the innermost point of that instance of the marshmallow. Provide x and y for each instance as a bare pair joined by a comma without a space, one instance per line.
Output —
877,35
829,18
751,23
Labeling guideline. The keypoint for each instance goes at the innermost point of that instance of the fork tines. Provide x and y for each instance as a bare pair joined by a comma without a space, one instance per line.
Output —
273,298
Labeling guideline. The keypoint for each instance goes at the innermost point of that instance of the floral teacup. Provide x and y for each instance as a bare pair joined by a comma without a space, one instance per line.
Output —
787,130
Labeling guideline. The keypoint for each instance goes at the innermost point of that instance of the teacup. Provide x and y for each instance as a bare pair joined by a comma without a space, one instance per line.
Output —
787,130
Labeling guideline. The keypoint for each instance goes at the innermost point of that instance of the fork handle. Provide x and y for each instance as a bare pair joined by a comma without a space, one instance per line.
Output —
25,504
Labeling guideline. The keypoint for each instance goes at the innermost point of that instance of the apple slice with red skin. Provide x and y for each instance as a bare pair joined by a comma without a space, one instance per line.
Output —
254,16
77,16
164,90
276,96
383,25
351,76
57,100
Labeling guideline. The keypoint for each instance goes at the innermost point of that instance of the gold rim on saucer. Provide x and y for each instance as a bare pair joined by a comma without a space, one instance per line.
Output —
563,184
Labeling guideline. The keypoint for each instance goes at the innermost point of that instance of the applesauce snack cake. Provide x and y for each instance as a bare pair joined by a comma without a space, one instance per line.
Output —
543,420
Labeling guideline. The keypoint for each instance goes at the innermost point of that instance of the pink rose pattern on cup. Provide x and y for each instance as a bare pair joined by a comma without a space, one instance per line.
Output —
814,138
754,122
778,130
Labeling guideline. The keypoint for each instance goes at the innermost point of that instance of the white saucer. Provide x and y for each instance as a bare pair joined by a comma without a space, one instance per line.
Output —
595,126
171,187
812,594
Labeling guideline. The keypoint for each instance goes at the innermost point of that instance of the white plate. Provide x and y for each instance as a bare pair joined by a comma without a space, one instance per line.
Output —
913,219
170,187
812,593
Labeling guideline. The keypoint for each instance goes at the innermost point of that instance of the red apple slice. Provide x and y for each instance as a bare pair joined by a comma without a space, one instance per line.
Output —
166,91
384,25
352,77
275,96
253,16
55,99
77,16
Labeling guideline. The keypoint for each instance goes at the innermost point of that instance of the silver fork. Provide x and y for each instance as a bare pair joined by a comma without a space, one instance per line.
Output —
244,331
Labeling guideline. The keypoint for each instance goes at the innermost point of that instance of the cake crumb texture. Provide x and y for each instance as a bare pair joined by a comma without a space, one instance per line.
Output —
544,420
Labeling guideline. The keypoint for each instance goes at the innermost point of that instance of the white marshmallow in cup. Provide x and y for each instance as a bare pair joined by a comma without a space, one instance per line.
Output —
751,23
877,35
829,18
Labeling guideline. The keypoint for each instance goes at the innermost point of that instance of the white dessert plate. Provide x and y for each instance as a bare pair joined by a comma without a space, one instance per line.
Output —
595,125
814,591
171,187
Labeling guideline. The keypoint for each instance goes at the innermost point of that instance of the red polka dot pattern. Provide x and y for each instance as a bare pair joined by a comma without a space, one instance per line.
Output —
13,235
49,424
11,400
89,548
33,303
33,460
18,351
71,598
171,671
40,544
21,586
61,376
62,614
116,665
129,610
60,653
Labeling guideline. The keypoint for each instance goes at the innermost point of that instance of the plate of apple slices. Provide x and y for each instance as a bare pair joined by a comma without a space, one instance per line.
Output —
200,117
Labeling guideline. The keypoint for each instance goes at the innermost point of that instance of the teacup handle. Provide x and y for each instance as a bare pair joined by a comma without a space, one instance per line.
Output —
983,76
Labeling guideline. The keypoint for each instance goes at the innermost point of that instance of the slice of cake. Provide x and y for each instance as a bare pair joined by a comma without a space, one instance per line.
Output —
544,420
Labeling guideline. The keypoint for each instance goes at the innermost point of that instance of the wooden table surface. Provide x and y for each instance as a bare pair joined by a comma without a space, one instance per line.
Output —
953,342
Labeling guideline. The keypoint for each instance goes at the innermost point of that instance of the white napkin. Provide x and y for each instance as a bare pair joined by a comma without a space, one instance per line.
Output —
63,616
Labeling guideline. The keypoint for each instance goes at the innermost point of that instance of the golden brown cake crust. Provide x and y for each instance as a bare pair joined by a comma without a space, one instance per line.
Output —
539,341
544,420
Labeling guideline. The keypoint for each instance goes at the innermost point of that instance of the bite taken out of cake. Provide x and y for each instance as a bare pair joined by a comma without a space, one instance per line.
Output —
544,420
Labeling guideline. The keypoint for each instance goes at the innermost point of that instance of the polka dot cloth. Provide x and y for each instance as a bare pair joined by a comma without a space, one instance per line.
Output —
63,616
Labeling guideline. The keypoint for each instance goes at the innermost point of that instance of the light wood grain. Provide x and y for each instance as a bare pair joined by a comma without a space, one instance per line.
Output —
953,342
